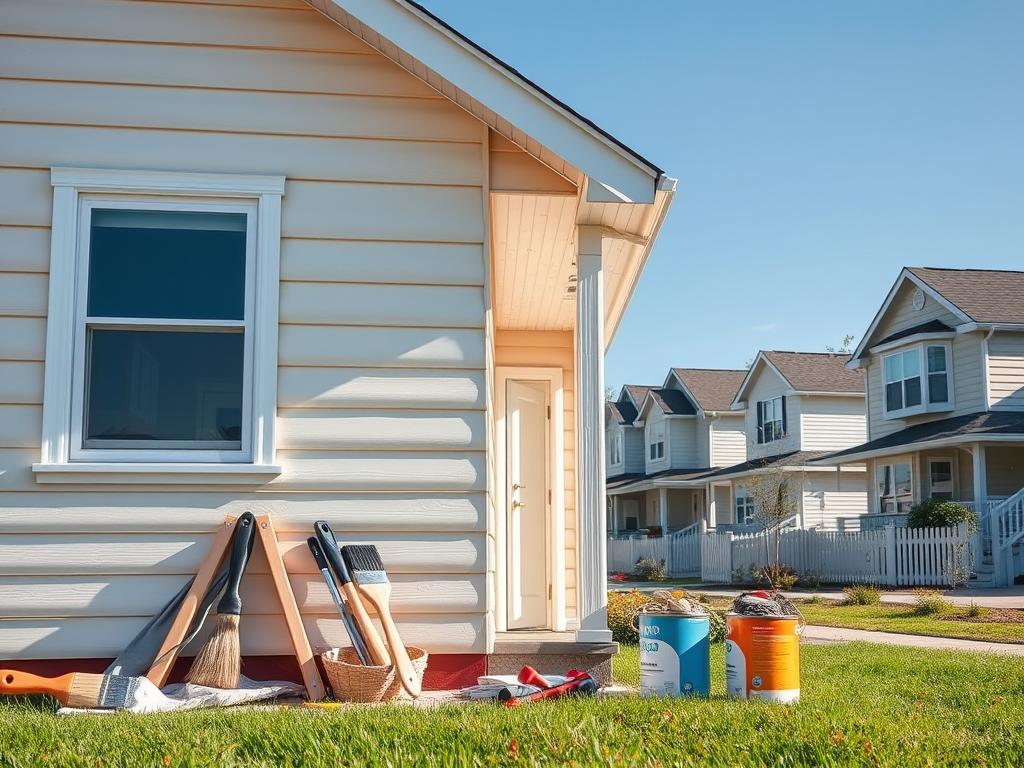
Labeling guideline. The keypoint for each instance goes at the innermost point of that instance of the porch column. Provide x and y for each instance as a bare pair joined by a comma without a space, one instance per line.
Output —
592,602
712,515
980,477
616,514
663,510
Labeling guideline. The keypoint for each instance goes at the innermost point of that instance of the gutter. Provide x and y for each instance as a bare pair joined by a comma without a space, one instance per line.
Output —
945,442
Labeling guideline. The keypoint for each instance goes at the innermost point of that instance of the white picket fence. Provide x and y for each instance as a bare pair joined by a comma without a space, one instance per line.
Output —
891,556
679,550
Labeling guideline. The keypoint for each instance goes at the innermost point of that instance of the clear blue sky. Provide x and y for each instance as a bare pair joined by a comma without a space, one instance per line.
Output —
819,147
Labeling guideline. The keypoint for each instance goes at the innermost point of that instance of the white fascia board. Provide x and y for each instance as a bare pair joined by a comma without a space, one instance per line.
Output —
827,394
907,341
523,105
968,327
925,445
753,373
905,274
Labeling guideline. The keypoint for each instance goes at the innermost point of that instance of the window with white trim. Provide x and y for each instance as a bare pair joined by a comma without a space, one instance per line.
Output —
917,380
895,487
940,479
656,441
162,345
615,448
744,509
771,420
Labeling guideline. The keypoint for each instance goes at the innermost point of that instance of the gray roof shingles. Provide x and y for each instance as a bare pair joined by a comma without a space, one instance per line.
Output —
984,295
817,371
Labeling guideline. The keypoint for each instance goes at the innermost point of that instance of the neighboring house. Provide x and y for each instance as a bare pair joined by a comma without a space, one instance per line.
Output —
944,362
798,406
320,260
680,433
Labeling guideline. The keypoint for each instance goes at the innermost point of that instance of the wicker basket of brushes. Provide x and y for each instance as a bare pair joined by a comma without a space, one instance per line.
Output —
353,681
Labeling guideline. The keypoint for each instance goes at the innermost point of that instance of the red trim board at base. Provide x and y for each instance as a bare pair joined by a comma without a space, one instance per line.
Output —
445,671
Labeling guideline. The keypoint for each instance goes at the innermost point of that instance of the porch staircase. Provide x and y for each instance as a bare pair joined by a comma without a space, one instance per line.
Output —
1002,533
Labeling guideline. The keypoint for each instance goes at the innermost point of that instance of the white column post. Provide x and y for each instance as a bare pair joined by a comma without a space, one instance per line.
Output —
663,510
980,504
592,605
616,514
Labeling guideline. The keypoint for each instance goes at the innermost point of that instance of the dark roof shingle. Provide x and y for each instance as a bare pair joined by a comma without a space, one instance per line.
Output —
817,371
623,413
984,295
713,389
673,402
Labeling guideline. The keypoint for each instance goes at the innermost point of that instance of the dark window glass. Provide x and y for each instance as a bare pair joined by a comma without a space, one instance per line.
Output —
894,396
912,388
167,264
938,388
164,386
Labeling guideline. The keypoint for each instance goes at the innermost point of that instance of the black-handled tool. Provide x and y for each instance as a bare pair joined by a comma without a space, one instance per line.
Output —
353,631
241,551
329,545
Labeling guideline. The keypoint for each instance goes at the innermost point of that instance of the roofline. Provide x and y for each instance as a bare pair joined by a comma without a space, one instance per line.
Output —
686,390
748,378
527,106
923,445
905,274
771,467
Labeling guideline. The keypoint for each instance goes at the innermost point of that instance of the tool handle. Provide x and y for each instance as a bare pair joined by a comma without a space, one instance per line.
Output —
13,683
378,595
576,684
530,676
329,545
241,549
353,631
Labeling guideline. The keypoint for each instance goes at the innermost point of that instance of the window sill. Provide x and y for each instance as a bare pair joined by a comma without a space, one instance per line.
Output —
156,474
919,410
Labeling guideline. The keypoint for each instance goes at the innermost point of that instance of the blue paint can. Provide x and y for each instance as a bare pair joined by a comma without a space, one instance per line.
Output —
675,655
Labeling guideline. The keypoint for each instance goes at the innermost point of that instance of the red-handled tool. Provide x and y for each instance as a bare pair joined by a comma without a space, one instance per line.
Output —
583,685
530,676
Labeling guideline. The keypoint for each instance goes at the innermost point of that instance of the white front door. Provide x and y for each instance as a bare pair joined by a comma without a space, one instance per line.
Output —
526,504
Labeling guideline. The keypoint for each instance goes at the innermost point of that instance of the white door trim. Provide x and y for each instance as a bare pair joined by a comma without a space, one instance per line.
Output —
556,552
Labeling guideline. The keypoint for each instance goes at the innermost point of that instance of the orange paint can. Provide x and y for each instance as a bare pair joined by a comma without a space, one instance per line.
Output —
762,657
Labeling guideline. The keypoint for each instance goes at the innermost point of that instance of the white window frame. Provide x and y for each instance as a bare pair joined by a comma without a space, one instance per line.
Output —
743,508
926,406
777,409
615,448
951,490
654,440
76,190
914,482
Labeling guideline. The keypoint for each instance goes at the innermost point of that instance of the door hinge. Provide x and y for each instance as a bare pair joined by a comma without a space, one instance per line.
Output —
549,496
549,411
550,593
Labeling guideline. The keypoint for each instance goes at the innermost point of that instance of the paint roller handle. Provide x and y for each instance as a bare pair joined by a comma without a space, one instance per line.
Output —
241,549
353,631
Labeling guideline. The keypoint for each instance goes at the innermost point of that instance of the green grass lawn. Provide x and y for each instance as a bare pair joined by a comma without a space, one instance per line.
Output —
862,705
906,619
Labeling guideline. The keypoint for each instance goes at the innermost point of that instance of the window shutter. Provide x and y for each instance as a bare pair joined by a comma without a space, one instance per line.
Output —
785,428
760,422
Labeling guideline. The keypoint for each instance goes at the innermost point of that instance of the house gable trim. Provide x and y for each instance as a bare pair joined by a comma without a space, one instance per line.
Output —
752,374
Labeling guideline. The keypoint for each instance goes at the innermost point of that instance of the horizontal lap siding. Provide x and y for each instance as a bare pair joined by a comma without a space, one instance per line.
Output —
381,418
1006,372
832,423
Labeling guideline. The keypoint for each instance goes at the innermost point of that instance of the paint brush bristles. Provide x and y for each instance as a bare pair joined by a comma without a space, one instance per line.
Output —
363,561
218,664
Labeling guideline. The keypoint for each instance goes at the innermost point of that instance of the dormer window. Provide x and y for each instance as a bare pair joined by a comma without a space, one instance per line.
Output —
917,380
615,449
656,441
771,420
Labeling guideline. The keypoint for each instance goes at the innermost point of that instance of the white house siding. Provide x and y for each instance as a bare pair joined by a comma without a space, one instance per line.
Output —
729,440
1006,372
968,388
767,386
683,442
552,349
832,423
828,500
633,447
702,444
382,341
1005,470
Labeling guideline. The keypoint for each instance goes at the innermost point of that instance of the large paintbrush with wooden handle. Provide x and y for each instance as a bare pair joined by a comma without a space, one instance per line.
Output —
83,690
368,572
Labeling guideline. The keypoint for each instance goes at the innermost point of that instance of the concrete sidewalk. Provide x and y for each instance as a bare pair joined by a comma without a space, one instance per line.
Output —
826,635
989,597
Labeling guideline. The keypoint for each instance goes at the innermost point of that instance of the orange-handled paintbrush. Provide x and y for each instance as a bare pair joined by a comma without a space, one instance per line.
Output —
81,689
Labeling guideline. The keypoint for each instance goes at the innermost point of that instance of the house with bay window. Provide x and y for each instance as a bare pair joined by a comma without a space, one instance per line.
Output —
798,406
943,360
680,432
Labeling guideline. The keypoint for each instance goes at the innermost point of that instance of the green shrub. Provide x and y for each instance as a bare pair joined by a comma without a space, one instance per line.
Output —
863,594
940,513
930,602
977,611
650,569
779,576
623,608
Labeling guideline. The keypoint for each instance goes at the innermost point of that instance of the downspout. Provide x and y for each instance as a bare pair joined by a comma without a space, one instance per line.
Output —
984,368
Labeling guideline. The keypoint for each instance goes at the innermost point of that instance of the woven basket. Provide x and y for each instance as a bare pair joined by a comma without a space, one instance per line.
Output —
353,681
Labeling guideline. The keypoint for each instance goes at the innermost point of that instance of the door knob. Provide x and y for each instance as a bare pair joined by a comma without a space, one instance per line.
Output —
517,486
517,504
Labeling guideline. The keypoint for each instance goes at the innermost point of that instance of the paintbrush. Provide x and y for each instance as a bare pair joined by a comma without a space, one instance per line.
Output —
368,573
353,631
329,546
83,690
219,662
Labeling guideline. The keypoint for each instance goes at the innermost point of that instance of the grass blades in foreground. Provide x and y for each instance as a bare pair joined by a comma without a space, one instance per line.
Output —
907,620
863,705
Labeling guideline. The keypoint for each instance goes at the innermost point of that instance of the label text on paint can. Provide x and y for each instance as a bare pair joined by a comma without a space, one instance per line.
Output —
674,655
762,658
